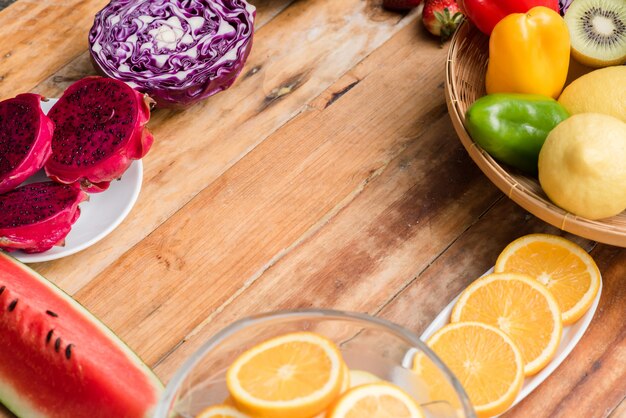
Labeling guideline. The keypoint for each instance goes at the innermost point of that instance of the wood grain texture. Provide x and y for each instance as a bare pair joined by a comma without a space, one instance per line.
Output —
194,147
328,176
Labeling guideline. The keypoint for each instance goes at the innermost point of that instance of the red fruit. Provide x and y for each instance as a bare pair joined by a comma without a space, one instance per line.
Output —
100,129
38,216
25,139
401,4
441,17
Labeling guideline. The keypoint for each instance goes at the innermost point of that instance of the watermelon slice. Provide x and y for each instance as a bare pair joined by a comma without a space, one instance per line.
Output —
58,360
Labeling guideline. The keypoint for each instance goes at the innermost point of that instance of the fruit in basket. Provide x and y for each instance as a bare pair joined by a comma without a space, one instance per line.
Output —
522,308
582,165
598,32
567,270
513,127
293,375
600,91
376,400
485,14
38,216
179,52
57,360
441,17
487,362
518,65
100,129
25,135
401,4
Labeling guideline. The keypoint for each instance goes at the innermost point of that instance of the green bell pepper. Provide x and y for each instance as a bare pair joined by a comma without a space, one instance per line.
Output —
513,127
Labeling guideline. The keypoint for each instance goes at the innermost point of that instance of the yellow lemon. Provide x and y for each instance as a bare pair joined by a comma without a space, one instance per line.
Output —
582,165
600,91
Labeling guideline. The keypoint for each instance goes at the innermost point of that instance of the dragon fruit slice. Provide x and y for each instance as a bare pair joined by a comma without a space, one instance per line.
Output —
100,129
38,216
25,138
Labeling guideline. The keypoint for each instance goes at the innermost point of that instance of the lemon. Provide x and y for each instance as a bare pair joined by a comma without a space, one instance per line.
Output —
582,165
600,91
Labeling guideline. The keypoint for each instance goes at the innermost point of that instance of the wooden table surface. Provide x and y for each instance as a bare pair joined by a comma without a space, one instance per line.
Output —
328,176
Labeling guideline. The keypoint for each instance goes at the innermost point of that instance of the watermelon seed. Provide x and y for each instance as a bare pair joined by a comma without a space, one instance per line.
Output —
68,351
49,336
12,305
57,344
2,289
52,313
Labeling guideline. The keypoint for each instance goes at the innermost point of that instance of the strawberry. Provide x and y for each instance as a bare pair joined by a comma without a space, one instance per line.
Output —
400,4
441,17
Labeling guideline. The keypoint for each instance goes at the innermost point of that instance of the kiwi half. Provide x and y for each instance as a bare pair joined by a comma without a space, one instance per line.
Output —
598,31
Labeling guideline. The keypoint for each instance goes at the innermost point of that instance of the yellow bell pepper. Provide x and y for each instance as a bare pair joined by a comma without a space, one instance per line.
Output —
529,53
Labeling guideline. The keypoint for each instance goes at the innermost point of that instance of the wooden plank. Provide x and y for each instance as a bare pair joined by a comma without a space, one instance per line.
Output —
620,411
373,247
281,191
39,37
193,148
470,256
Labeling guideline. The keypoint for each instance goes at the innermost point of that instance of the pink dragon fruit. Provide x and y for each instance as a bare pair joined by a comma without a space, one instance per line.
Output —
100,129
38,216
25,138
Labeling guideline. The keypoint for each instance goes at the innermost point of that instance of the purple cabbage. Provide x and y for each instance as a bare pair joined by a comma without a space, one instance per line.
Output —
564,5
176,51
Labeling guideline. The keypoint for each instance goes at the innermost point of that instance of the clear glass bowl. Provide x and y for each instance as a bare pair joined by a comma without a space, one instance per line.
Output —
366,343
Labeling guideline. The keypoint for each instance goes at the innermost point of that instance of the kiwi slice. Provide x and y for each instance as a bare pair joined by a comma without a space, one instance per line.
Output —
598,31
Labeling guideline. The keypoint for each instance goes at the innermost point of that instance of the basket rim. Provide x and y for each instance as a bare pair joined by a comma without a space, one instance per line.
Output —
597,230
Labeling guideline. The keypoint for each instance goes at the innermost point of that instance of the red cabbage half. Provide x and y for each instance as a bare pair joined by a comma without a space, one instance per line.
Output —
177,51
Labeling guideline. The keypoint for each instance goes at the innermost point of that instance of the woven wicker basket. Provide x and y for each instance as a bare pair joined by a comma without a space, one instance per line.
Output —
465,82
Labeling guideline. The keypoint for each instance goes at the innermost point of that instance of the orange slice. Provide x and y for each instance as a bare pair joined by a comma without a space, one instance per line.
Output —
567,270
485,360
521,307
376,400
296,375
221,411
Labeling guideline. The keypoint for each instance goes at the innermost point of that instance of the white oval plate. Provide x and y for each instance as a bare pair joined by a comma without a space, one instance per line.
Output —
98,217
571,335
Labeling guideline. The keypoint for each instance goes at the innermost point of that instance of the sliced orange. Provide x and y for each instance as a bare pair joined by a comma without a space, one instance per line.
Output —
485,360
521,307
376,400
221,411
361,377
567,270
295,375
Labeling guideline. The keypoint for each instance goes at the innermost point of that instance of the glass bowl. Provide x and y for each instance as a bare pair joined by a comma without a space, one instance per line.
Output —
366,343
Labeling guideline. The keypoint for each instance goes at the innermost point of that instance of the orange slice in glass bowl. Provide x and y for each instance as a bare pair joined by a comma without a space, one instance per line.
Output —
296,375
567,270
376,400
522,308
221,411
361,377
484,359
